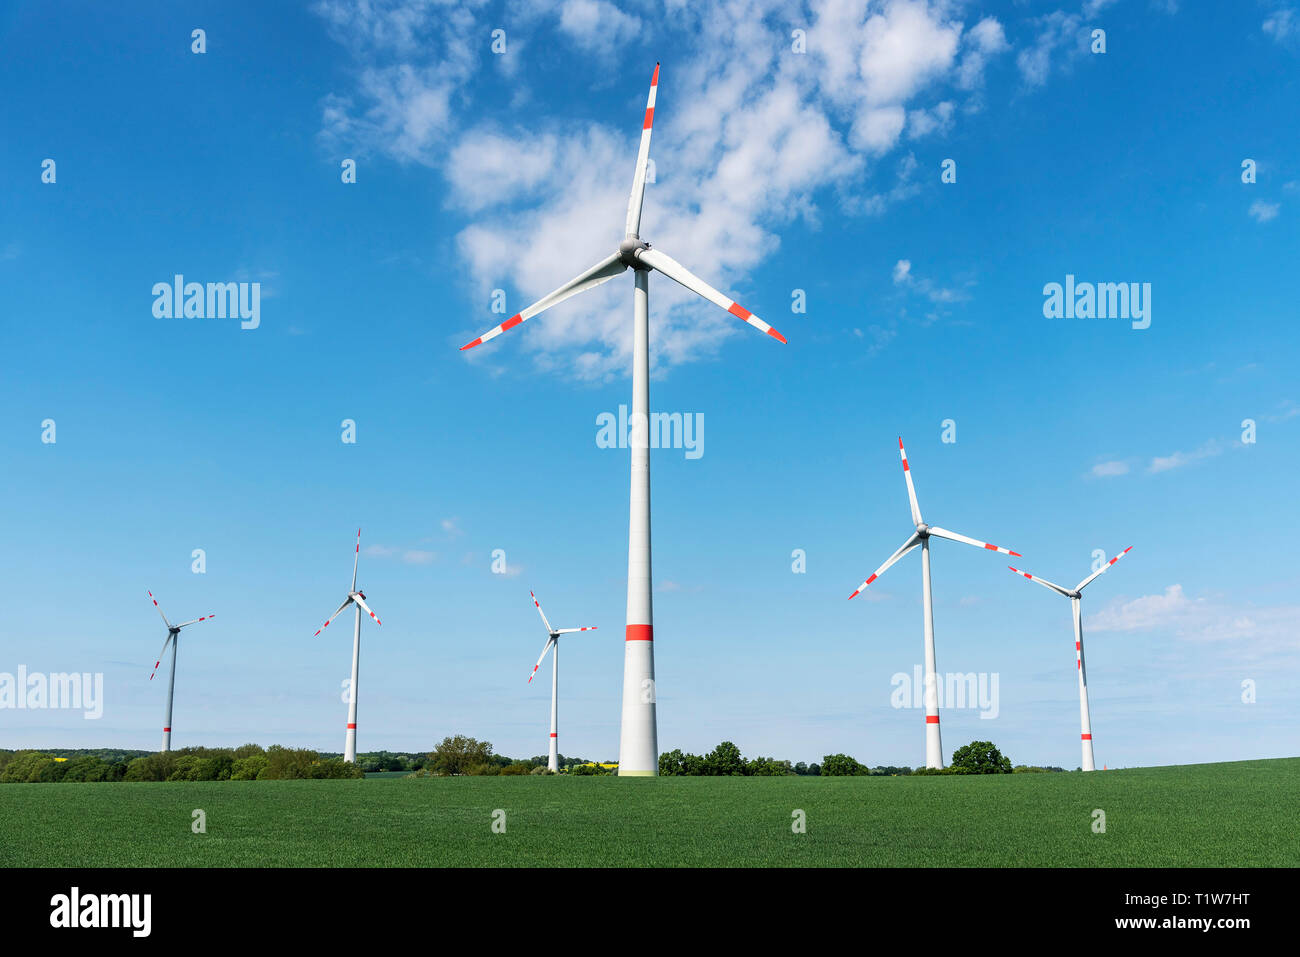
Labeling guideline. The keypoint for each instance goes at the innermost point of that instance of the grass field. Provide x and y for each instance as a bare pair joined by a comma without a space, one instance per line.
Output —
1234,814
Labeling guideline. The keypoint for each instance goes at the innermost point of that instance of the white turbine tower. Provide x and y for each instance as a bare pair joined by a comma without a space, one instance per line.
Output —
553,641
638,740
173,639
358,598
1075,595
921,537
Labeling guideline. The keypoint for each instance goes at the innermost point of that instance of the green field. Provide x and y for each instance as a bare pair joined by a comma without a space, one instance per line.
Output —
1235,814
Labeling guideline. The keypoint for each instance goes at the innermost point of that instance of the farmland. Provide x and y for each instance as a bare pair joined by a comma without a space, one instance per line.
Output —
1234,814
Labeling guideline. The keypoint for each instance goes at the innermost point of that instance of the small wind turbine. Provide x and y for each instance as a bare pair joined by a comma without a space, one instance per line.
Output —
173,639
358,598
933,744
638,740
1075,595
553,641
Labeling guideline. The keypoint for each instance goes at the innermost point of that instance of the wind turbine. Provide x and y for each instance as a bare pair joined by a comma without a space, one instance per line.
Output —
921,537
173,639
1075,595
638,740
553,641
358,598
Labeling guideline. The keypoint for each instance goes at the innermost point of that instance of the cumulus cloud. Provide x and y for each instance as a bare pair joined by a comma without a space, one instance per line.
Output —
1282,24
1062,39
1109,469
1176,460
1262,211
1262,628
750,137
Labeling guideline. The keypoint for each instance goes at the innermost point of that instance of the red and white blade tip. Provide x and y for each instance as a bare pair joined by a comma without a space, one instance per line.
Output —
740,312
492,334
858,590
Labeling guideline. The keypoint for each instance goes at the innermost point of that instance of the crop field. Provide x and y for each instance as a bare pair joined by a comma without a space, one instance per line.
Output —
1236,814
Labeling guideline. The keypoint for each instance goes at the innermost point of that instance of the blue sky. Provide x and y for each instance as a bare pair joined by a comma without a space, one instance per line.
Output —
776,171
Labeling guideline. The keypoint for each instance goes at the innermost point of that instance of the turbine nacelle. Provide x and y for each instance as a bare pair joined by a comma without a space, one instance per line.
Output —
629,252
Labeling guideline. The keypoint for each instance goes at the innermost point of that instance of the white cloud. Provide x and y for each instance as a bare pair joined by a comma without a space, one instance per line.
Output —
1282,24
940,295
988,40
596,25
749,138
1062,39
1163,463
1109,469
1261,629
1262,211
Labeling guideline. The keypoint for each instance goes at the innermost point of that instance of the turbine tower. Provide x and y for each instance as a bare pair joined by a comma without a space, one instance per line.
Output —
1075,595
921,537
173,639
358,598
553,641
638,740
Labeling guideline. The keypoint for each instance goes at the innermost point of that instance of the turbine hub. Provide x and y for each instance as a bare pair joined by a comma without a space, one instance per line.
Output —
923,529
627,250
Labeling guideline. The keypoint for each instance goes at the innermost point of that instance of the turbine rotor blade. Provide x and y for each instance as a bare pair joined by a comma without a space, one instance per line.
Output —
333,616
911,491
549,629
906,547
1041,581
953,536
1102,569
680,274
567,631
603,271
549,642
170,636
195,621
366,609
160,611
637,198
355,559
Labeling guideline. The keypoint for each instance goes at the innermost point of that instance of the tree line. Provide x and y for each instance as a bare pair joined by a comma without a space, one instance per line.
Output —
455,755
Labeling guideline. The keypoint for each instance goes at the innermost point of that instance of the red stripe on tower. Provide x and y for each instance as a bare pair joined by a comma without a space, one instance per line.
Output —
168,730
352,727
931,719
554,735
640,633
1086,737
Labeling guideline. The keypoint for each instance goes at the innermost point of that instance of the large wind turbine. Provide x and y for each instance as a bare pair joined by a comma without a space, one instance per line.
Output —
638,742
921,537
173,639
358,598
1075,595
553,641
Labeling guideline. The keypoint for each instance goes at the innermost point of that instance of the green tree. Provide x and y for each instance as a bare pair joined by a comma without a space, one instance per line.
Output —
841,765
459,754
979,757
248,768
725,760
